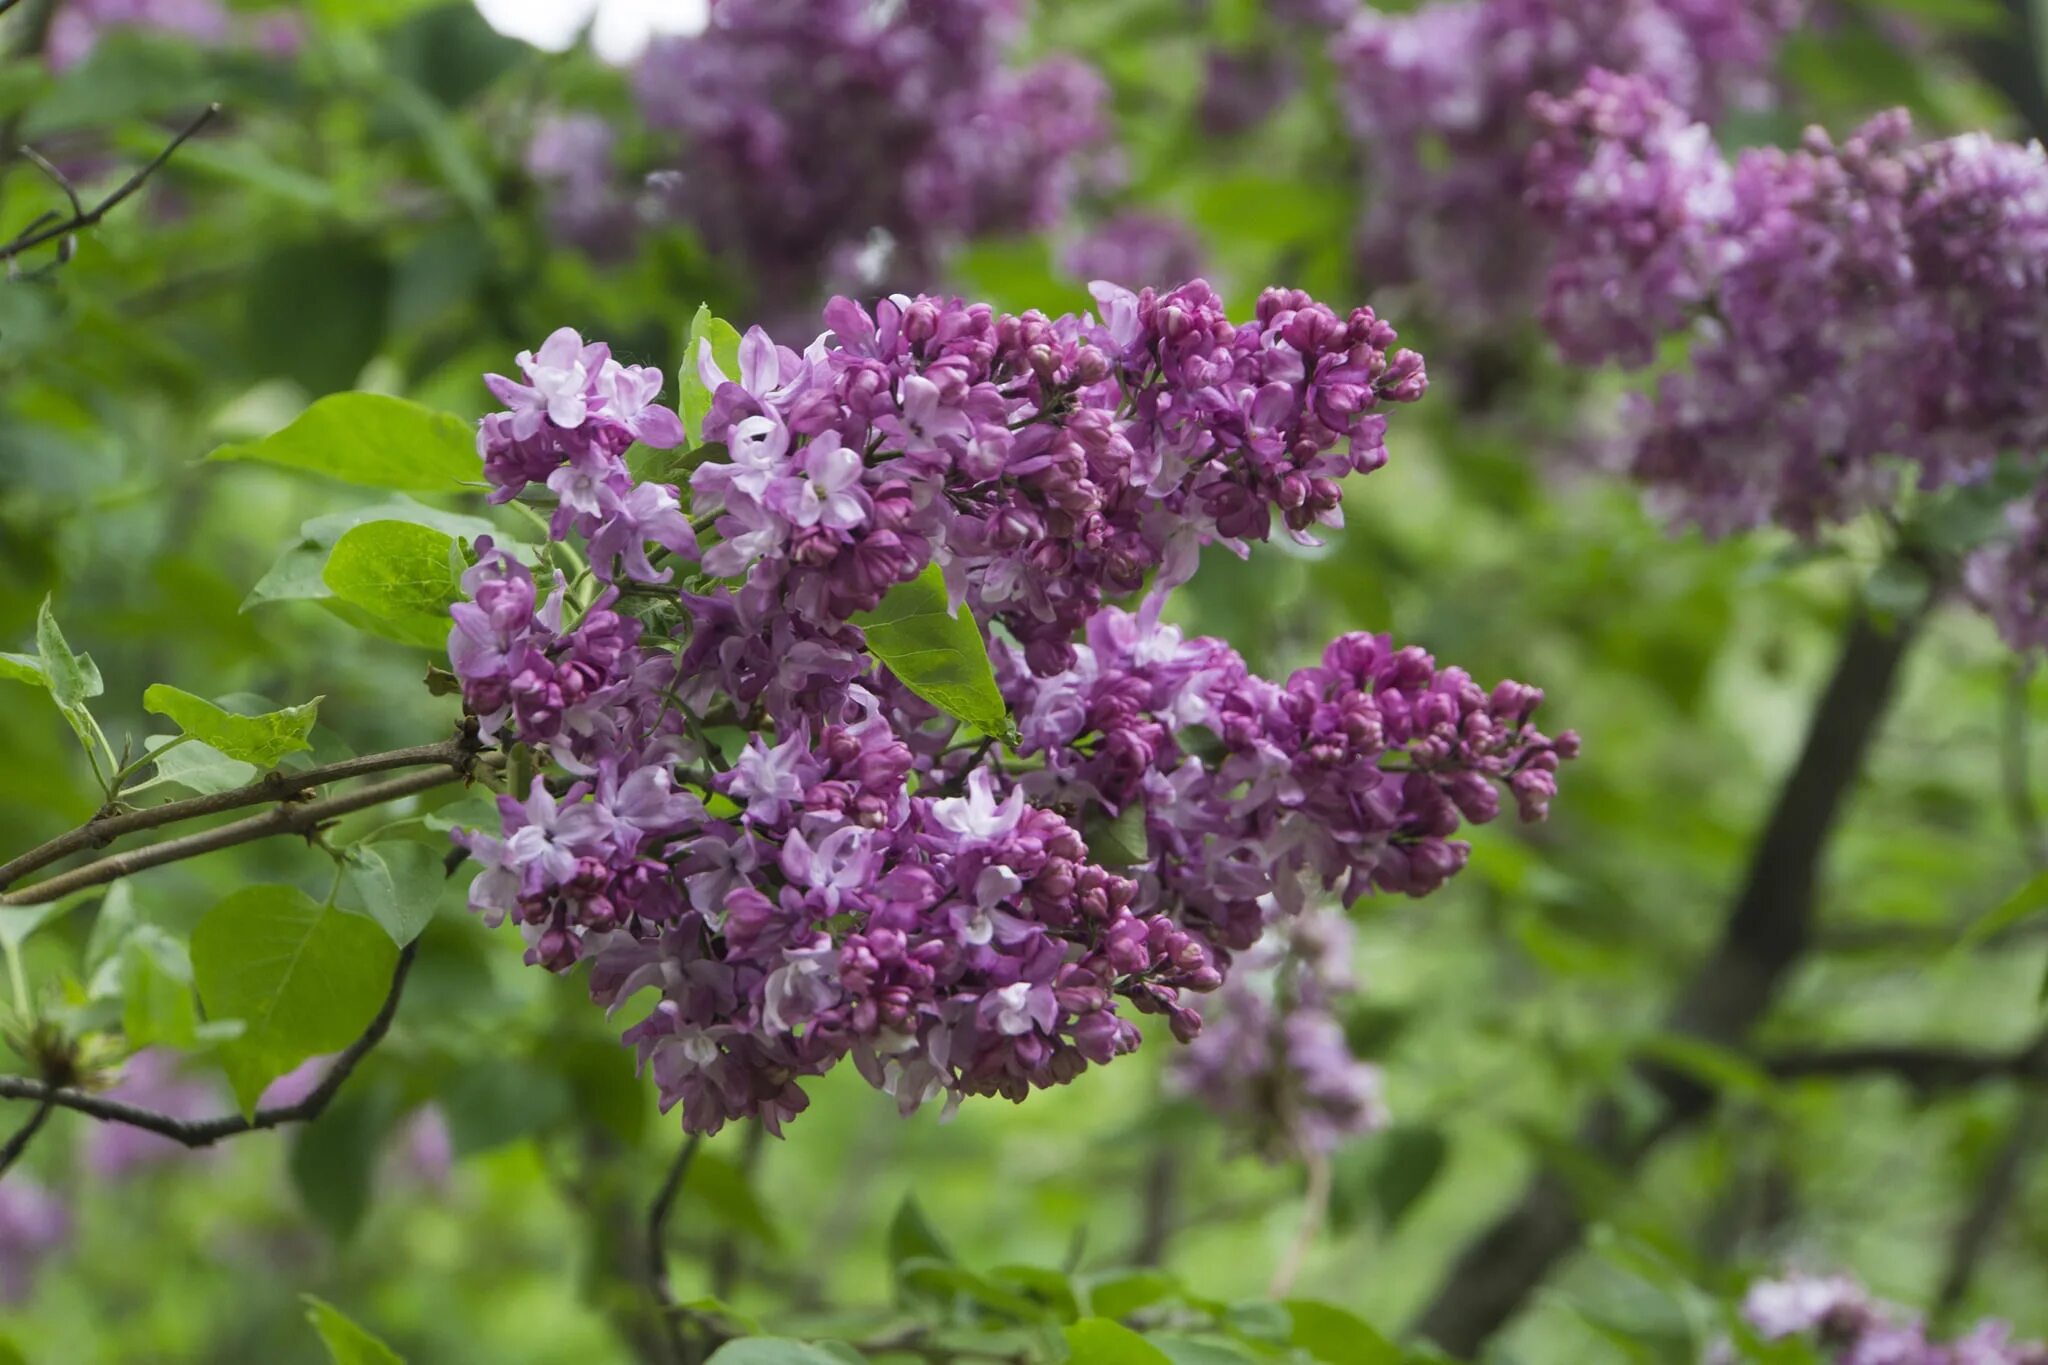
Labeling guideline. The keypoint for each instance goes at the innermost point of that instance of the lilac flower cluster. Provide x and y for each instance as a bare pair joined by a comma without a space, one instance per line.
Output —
1841,1318
849,873
1272,1061
1439,97
77,27
809,126
1853,307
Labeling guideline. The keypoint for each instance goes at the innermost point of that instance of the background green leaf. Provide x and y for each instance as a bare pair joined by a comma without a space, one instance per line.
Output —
372,439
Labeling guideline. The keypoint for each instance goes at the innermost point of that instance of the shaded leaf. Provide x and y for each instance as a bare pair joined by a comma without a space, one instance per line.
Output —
398,884
303,978
334,1162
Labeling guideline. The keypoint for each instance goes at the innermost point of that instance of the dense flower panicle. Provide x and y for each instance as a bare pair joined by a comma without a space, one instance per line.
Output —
809,126
857,878
34,1225
1272,1061
1440,97
1860,304
1840,1317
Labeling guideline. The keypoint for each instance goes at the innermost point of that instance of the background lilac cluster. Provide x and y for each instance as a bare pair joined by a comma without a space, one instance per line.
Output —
1840,1317
1439,99
803,860
1859,313
812,131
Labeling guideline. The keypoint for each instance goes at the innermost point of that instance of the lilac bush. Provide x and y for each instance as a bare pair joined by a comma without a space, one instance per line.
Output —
1840,1317
809,128
851,872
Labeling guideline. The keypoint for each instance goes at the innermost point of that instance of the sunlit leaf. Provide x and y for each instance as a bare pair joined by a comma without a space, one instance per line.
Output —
261,740
375,440
936,654
399,576
347,1343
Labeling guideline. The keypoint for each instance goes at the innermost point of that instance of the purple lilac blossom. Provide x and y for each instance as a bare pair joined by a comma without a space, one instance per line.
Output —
153,1079
34,1225
1439,98
1272,1062
1839,1316
1852,309
809,126
859,879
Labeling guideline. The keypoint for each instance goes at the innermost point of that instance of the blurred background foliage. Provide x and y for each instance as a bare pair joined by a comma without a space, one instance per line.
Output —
359,217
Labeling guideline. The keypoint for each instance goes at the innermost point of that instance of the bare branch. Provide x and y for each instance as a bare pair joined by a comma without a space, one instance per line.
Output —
672,1313
77,222
459,754
1924,1068
291,817
18,1144
1768,930
206,1132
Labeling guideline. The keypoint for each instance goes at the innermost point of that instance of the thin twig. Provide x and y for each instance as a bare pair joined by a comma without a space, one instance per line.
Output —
1315,1208
727,1260
18,1144
657,1250
206,1132
458,754
291,817
77,222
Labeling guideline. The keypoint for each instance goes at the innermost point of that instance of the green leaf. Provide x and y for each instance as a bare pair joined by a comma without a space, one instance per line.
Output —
397,884
156,990
939,656
771,1351
261,740
693,395
912,1237
1187,1350
1718,1068
399,576
296,575
1336,1337
23,668
2029,900
303,978
347,1344
334,1162
1120,841
70,677
195,767
1098,1341
1119,1296
375,440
